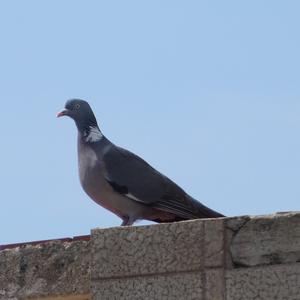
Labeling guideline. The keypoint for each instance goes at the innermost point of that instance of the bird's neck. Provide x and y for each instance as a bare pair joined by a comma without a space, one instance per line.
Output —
90,133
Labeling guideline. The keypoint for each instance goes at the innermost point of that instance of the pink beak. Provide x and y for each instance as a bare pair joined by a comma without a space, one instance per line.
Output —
62,113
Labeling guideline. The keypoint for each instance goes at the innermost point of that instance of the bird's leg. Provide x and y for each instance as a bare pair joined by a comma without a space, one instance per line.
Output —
126,221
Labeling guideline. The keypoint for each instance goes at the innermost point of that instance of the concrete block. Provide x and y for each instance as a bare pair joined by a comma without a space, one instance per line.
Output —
264,240
214,284
214,243
155,249
54,268
188,286
232,226
281,282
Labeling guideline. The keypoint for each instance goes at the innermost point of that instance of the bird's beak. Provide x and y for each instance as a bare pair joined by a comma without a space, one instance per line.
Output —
62,113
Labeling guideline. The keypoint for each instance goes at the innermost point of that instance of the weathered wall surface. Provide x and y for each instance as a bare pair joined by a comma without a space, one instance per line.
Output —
47,269
226,259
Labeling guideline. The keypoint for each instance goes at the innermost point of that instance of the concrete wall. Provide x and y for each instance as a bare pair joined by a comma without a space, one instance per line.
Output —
230,258
47,269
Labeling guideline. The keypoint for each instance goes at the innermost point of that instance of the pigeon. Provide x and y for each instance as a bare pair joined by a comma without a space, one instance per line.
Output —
124,183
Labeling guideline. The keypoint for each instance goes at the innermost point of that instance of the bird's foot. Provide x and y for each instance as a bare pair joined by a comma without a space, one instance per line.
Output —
126,221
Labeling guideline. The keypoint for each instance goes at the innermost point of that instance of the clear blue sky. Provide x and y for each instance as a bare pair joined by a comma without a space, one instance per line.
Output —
208,92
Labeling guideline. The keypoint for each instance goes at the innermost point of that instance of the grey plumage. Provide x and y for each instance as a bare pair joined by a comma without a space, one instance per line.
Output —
124,183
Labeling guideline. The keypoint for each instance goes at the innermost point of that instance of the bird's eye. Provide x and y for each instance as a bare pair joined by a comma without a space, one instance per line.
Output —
77,106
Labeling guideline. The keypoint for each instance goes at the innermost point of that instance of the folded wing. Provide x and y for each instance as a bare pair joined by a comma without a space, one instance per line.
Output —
133,177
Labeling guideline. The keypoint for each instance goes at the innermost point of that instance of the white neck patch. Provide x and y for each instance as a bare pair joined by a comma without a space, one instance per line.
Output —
93,135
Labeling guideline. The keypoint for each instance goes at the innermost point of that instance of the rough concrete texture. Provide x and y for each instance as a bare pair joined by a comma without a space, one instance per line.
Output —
156,249
281,282
173,286
186,285
219,259
54,268
65,297
266,240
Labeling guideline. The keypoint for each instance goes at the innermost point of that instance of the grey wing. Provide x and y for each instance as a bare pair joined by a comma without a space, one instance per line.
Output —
133,177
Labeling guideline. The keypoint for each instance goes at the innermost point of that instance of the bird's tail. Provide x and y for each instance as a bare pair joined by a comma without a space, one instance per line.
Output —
202,211
187,208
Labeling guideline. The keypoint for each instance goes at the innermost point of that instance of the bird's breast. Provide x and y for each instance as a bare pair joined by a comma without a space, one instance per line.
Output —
92,178
89,167
93,182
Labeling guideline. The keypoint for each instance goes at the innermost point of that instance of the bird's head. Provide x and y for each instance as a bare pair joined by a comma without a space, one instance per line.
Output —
80,111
